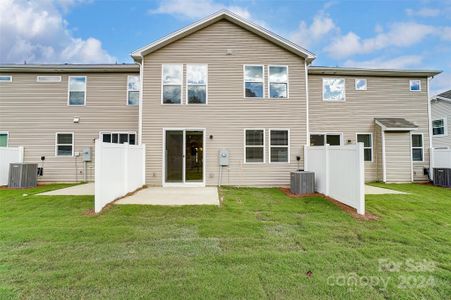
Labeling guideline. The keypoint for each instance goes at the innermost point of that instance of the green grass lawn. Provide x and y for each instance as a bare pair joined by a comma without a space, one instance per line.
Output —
258,244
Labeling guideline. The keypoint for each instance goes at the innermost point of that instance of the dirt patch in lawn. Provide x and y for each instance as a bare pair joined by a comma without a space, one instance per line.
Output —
346,208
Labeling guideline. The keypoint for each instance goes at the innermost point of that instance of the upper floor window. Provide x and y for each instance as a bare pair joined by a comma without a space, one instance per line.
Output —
253,81
64,144
278,81
360,85
133,90
415,85
196,80
334,89
439,127
254,143
332,139
417,147
77,90
367,140
118,137
48,79
3,139
6,78
172,84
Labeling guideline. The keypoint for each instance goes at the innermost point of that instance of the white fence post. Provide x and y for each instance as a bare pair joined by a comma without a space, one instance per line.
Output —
144,164
361,178
125,170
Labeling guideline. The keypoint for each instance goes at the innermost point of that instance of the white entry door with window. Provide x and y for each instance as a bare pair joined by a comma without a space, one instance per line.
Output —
184,157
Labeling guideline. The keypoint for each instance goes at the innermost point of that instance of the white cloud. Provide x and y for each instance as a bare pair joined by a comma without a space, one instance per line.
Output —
321,26
36,32
401,62
402,34
423,12
196,9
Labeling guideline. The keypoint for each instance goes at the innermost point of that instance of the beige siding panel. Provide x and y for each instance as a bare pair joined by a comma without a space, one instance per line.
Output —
33,112
385,97
227,112
397,154
442,109
378,156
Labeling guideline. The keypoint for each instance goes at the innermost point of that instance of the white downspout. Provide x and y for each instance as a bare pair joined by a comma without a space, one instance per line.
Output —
141,83
431,165
307,118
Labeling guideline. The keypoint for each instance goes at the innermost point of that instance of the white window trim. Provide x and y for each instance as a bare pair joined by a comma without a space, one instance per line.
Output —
244,81
255,146
7,137
68,91
412,147
355,85
445,125
279,146
6,81
410,85
287,82
344,91
372,144
101,133
187,85
329,133
56,144
181,84
39,79
128,90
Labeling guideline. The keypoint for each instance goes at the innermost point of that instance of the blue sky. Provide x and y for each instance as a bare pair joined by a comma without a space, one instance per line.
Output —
378,34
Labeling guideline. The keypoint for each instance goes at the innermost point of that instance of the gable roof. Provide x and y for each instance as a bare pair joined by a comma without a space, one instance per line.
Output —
235,19
446,95
70,68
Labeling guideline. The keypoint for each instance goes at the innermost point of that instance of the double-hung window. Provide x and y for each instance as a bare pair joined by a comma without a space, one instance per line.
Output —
196,81
253,81
334,89
278,81
133,90
77,90
332,139
254,143
439,127
118,137
279,145
417,147
172,75
367,140
64,144
3,139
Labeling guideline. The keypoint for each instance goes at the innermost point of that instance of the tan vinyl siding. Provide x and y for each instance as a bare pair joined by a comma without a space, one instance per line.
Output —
227,112
33,112
385,97
442,109
378,156
397,155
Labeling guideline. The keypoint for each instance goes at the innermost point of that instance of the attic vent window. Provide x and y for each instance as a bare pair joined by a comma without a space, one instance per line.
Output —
6,78
48,79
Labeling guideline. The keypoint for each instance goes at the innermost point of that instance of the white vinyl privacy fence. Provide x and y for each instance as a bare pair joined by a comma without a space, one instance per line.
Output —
441,158
119,170
339,173
9,155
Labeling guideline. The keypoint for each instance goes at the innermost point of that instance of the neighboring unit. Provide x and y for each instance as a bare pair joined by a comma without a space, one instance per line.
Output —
220,85
441,120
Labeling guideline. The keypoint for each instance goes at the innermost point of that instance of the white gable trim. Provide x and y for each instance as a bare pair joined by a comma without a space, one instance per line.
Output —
227,15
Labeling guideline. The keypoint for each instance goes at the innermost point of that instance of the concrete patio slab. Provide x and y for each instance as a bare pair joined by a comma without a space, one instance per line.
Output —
372,190
86,189
173,196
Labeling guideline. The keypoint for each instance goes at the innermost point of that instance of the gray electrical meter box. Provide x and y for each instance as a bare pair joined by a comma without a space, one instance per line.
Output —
87,154
223,157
